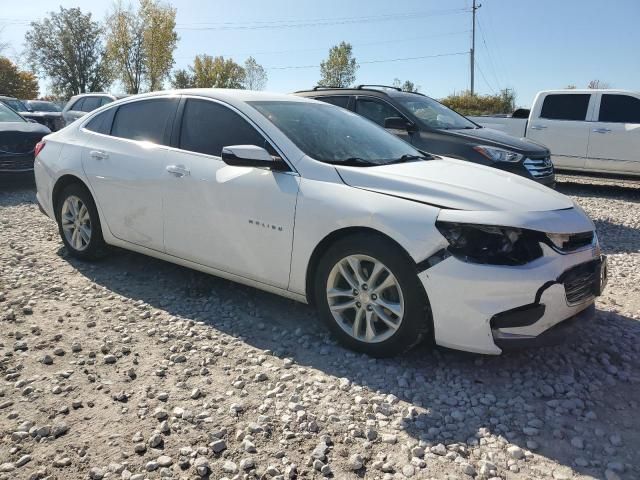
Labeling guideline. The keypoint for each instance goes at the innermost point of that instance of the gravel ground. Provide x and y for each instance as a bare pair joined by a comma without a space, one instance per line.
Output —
134,368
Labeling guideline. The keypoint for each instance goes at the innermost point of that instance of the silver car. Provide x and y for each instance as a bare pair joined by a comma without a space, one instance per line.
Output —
80,105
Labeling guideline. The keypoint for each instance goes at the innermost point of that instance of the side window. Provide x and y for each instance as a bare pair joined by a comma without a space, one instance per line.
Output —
145,120
90,104
101,123
565,106
338,100
375,110
619,109
208,126
77,106
105,100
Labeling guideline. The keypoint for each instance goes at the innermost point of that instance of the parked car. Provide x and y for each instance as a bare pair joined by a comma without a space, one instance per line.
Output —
18,139
51,120
80,105
315,203
432,127
586,130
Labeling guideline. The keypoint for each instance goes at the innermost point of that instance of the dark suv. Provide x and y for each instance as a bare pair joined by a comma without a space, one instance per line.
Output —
434,128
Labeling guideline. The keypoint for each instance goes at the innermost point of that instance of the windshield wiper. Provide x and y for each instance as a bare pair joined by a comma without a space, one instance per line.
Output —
352,162
407,158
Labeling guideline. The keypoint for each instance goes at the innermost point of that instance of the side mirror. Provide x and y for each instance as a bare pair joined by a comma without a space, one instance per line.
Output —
398,123
250,156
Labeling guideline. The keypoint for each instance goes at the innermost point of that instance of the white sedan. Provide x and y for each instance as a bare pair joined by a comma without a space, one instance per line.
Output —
315,203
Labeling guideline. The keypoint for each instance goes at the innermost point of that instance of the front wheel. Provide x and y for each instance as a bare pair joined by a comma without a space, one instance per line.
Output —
369,294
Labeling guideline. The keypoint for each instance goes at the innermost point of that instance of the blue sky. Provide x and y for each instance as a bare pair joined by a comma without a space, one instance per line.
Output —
525,45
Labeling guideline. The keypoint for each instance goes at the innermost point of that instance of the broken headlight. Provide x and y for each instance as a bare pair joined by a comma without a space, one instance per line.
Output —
489,244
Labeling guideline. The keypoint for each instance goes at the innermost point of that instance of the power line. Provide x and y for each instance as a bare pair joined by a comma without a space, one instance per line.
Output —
277,24
382,42
365,62
485,79
489,56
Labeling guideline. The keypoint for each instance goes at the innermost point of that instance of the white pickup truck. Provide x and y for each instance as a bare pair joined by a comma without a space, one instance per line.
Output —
586,130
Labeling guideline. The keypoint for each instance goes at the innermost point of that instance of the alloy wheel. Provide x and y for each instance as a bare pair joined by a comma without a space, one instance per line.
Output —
365,298
76,223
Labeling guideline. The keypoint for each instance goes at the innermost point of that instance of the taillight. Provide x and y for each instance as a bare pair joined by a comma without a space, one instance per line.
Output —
38,148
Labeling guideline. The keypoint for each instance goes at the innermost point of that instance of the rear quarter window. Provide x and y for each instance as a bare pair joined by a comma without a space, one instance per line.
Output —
565,106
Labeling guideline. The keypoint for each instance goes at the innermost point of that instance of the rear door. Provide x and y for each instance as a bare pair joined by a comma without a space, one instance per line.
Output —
74,112
124,160
343,101
378,110
614,145
560,123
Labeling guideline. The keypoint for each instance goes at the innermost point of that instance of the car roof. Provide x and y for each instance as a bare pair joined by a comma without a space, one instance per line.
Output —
374,90
229,95
588,90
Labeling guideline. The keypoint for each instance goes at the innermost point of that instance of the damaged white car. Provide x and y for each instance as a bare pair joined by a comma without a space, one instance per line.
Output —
316,203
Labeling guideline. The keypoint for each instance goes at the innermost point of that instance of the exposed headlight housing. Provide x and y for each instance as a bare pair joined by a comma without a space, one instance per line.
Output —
489,244
496,154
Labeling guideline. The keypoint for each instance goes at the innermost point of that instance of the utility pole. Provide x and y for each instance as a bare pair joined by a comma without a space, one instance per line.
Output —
473,44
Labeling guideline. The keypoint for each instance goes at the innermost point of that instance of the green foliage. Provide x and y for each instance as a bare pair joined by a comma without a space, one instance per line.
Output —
208,72
67,48
468,104
255,75
406,86
182,79
140,44
15,82
339,69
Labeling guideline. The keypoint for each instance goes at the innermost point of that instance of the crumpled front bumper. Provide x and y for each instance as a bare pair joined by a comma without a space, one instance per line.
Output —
466,299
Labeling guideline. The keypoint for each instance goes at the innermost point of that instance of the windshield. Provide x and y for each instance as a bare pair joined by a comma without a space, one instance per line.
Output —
42,106
17,105
334,135
8,115
433,114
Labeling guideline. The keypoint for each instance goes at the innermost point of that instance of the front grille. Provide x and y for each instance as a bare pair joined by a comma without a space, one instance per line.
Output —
539,167
579,282
16,163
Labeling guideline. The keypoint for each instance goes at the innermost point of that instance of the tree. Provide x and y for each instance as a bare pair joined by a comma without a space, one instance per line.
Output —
407,86
140,44
125,46
468,104
339,69
208,72
67,47
594,84
17,83
159,41
182,79
255,75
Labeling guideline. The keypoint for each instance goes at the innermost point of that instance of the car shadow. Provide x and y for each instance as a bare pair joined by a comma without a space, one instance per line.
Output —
546,396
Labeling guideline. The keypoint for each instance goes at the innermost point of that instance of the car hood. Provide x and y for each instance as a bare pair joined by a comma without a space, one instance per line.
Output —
23,127
489,136
456,184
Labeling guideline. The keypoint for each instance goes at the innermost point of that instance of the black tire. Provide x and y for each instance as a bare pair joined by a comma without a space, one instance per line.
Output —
96,248
416,322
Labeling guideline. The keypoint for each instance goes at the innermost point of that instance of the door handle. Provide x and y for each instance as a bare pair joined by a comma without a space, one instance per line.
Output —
538,127
601,130
178,170
98,155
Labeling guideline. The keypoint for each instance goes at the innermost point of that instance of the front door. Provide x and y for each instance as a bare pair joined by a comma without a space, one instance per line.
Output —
614,145
377,111
561,125
235,219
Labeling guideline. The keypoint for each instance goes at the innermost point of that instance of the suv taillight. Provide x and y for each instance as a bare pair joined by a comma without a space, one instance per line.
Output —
38,148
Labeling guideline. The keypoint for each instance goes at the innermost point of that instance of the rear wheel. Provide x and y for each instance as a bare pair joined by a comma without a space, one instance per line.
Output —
369,294
79,224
